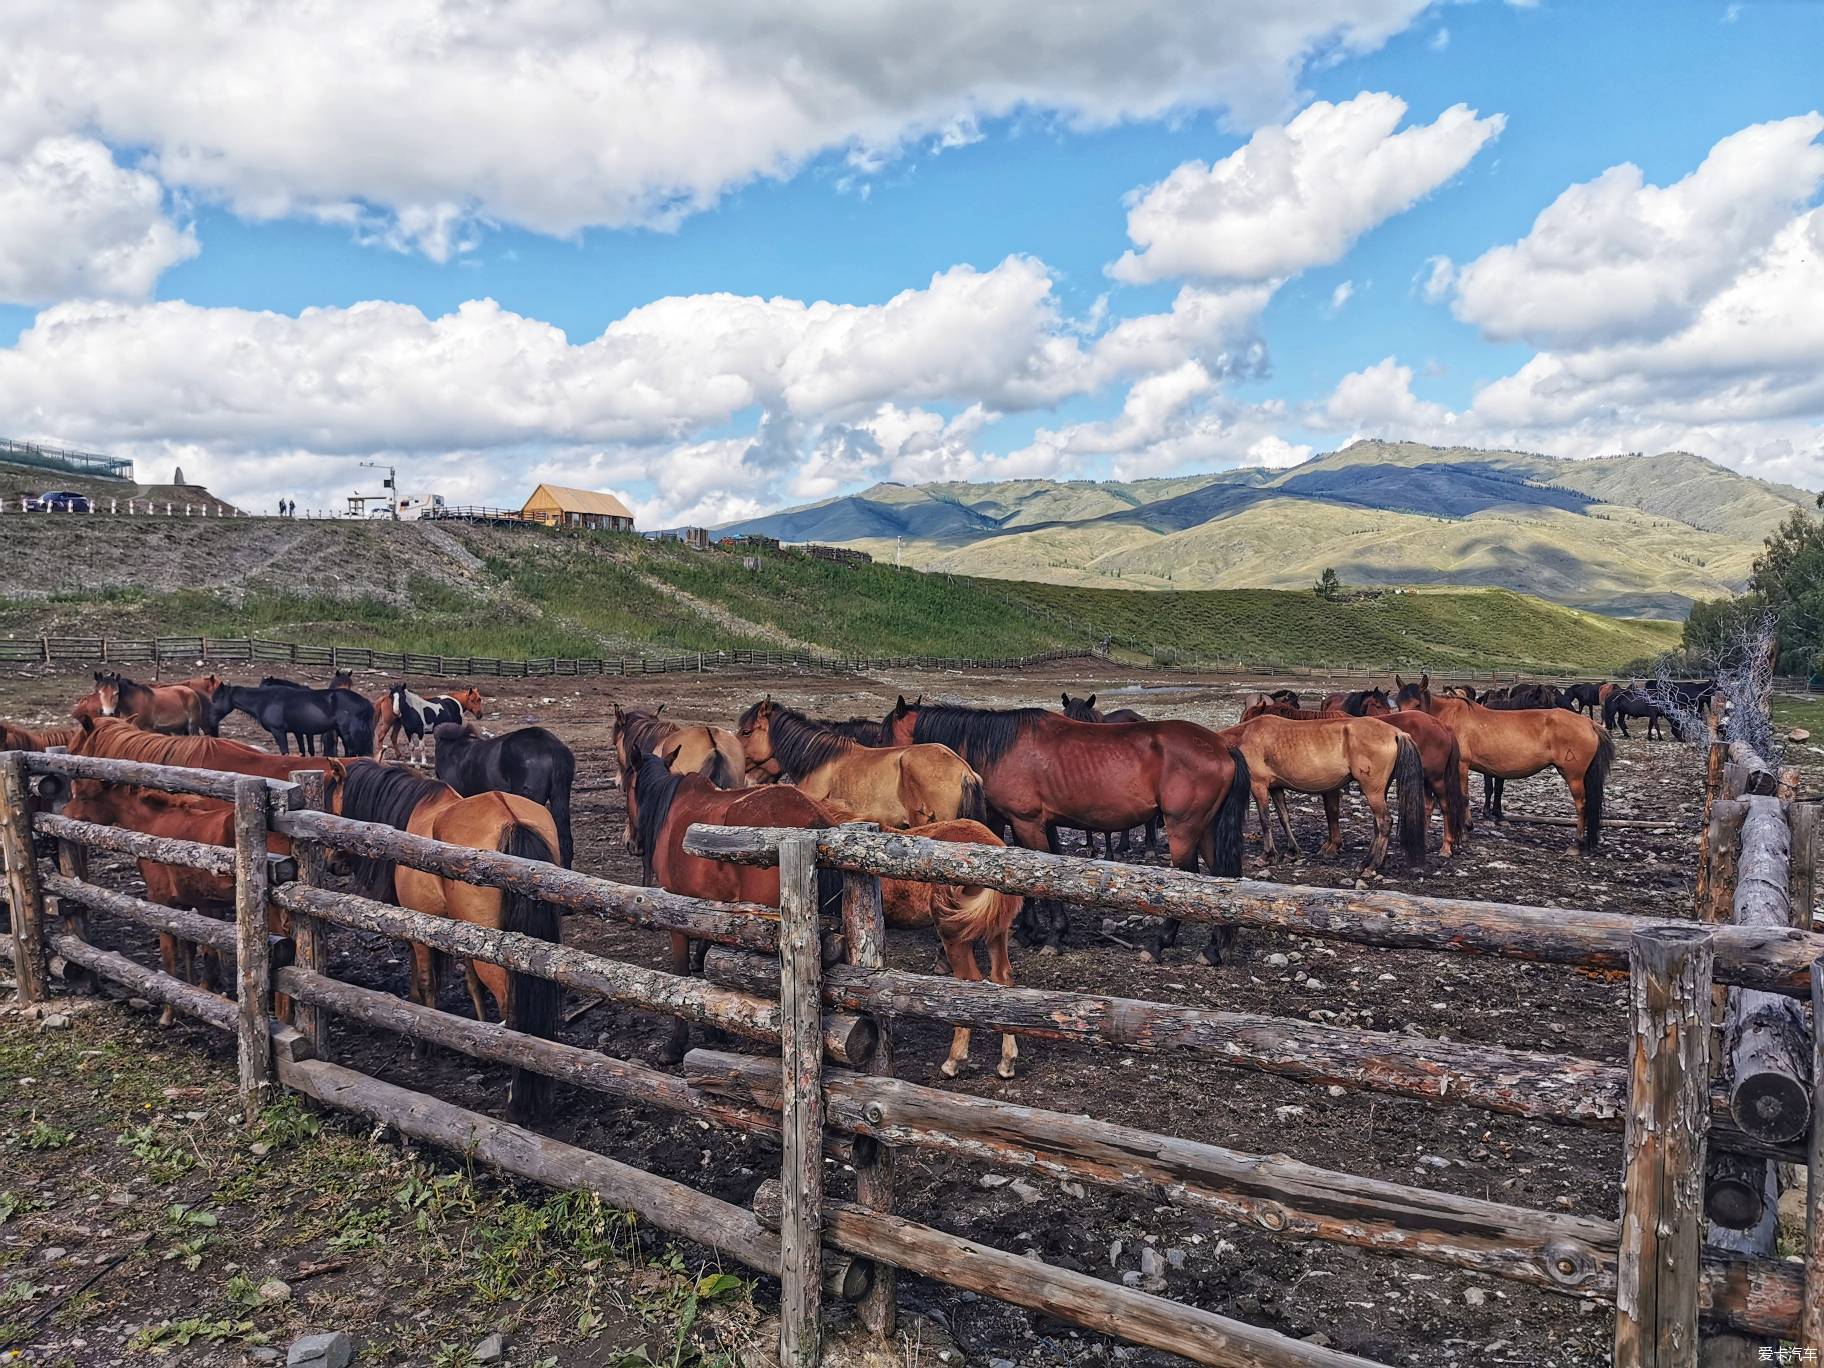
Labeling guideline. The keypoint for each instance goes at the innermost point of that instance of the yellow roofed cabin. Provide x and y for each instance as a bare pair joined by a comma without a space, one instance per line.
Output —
556,506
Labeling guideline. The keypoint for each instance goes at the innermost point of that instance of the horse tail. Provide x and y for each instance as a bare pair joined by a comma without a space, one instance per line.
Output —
974,804
1595,779
558,803
1231,817
1409,779
1456,801
532,1002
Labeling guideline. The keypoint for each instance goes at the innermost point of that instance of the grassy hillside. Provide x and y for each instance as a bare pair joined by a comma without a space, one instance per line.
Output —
527,592
1631,534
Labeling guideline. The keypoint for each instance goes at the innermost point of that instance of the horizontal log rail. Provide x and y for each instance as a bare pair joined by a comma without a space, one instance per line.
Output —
849,1039
1542,1087
205,783
173,921
671,1206
171,850
1777,960
151,984
571,1064
751,926
1572,1255
1076,1298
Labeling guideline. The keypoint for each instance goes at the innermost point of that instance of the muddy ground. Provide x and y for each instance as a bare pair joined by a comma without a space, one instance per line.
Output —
1394,1311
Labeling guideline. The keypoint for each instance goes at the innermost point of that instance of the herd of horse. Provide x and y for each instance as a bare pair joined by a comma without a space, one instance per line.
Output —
950,772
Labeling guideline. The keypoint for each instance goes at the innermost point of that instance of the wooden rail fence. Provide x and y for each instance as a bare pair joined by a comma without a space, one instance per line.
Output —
817,999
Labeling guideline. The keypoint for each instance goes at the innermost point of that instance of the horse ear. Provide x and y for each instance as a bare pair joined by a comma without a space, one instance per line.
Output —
1425,681
1066,698
661,708
1090,702
901,706
1398,683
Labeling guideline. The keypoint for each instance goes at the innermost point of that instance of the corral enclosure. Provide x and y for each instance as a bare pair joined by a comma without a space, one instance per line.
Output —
1452,1006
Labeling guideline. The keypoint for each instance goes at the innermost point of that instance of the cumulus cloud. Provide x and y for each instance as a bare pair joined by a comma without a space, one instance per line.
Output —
1379,400
559,115
1297,195
74,224
1616,258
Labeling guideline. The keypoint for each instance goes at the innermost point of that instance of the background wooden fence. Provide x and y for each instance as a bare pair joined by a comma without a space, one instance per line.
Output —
816,999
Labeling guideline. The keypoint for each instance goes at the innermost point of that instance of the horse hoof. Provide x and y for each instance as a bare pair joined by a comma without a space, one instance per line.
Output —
1151,956
1212,956
1004,1069
950,1068
1048,949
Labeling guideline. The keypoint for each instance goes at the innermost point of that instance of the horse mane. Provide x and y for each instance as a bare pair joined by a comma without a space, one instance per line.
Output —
121,740
801,745
980,735
389,795
645,729
863,729
656,787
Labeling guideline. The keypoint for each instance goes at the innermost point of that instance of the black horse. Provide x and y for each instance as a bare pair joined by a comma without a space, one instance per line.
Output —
1583,698
284,712
1682,695
353,714
530,762
1625,703
1084,710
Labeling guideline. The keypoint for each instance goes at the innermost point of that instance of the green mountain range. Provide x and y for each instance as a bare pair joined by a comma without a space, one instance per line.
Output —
1635,535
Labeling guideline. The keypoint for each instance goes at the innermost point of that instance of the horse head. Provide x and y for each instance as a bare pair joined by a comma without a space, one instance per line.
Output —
1413,696
754,730
470,698
897,727
342,679
1375,702
631,760
107,691
1081,709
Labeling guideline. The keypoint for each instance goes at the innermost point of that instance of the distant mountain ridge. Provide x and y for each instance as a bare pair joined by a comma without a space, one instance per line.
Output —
1634,535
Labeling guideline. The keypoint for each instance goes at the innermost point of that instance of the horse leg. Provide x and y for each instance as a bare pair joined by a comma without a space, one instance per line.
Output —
1221,936
1262,802
1383,828
1029,926
176,964
961,955
472,981
1057,916
1184,843
1435,796
677,1045
1333,823
1285,821
1574,782
1000,970
423,986
280,739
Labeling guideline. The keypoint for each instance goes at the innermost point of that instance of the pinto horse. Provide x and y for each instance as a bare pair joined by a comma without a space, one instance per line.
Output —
188,818
1040,771
530,762
1085,710
1320,755
395,797
1437,751
898,786
1516,743
416,717
175,709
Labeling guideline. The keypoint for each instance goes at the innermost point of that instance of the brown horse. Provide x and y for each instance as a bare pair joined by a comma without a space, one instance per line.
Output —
1517,743
1085,710
898,786
1320,755
1437,751
713,752
175,709
119,740
1040,771
396,797
1354,702
14,737
184,817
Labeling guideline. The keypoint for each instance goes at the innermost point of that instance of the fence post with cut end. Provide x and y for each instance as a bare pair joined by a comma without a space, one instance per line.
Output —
1656,1293
72,918
309,935
1811,1325
23,894
801,1040
864,932
253,978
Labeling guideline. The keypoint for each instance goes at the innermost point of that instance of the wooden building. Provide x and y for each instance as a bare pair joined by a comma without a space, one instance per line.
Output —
557,506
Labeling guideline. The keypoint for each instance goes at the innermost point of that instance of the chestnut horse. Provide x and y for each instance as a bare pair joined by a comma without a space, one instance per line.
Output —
396,797
1040,771
185,817
1320,755
1516,743
120,740
1437,751
1085,710
14,737
175,709
897,786
713,752
665,803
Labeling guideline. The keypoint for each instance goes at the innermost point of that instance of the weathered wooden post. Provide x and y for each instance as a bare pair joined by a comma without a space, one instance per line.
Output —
253,978
309,935
71,917
1811,1324
864,931
801,1041
1667,1126
1765,1032
1803,818
23,894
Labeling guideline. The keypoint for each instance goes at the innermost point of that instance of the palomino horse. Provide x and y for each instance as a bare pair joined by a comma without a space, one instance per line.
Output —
665,803
175,709
188,818
1516,743
1320,755
396,797
1085,710
1040,771
1437,751
898,786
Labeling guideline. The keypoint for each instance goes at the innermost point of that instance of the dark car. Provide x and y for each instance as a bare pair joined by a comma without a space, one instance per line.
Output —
58,501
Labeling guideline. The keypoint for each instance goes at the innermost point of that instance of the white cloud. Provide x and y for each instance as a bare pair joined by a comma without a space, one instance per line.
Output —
1435,278
1439,40
1299,195
73,224
558,115
1379,401
1341,296
1615,258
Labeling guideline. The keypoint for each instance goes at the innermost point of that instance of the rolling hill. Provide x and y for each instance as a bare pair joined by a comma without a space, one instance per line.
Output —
1628,535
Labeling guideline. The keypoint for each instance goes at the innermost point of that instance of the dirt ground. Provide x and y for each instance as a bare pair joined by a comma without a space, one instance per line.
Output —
1391,1310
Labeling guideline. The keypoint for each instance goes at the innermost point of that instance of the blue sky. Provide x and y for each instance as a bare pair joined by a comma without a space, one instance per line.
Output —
268,282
